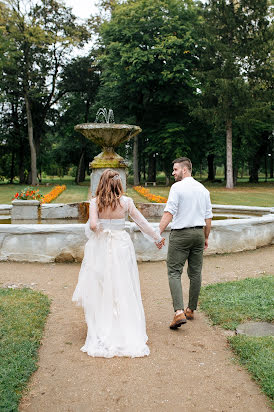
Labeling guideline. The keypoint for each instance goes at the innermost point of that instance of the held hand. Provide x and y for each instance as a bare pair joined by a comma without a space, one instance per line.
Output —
161,243
206,244
97,229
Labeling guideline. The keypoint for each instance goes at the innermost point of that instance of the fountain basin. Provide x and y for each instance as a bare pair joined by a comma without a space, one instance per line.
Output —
108,134
65,242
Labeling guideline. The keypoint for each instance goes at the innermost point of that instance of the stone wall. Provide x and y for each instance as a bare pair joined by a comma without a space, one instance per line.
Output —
65,243
157,209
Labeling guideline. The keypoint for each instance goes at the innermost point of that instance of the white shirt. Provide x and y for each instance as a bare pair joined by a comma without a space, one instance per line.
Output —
189,203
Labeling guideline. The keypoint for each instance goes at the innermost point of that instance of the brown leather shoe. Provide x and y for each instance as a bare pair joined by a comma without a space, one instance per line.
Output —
189,314
178,320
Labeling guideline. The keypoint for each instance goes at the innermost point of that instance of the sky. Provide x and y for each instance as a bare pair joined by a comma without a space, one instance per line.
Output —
82,8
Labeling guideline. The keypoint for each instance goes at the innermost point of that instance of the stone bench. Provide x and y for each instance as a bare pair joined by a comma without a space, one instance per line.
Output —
150,183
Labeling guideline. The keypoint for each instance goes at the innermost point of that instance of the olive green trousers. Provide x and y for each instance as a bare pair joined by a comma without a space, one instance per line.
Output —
185,244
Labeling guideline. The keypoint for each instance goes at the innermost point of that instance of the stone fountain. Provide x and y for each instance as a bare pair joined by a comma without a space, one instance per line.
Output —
109,135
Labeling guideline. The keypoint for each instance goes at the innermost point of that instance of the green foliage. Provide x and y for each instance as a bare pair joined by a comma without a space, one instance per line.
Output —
23,313
28,193
37,41
179,69
257,355
234,74
228,304
148,57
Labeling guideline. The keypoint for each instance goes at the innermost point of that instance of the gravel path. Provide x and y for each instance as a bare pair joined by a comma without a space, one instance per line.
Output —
189,370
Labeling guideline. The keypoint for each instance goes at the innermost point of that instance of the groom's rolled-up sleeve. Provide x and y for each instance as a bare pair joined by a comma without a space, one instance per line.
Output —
208,213
172,202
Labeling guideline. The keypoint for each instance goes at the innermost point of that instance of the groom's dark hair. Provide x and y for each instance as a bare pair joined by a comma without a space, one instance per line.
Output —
186,162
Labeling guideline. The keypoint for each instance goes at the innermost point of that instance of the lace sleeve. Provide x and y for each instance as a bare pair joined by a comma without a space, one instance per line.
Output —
142,223
93,215
92,224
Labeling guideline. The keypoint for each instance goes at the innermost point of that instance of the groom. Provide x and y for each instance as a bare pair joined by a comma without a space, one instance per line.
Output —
189,209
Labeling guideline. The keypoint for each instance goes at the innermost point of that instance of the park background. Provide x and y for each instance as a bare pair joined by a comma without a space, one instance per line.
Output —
195,76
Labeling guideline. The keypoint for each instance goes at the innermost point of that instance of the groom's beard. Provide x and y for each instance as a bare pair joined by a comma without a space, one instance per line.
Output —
178,177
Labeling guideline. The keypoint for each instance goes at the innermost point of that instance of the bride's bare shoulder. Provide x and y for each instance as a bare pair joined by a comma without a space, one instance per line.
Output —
126,198
92,201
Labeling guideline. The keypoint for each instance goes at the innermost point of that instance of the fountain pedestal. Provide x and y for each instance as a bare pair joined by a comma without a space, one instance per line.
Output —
96,174
108,136
107,159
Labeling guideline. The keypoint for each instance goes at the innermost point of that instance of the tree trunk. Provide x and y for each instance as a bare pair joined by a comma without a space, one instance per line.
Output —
144,167
87,110
167,179
242,170
235,175
22,177
271,157
31,142
254,172
80,175
12,168
28,178
256,160
136,180
166,169
265,166
229,164
211,169
152,168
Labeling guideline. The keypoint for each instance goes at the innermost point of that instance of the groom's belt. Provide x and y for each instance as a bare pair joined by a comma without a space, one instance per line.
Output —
191,227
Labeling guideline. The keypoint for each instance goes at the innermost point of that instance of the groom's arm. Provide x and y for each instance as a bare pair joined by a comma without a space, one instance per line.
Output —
166,219
170,209
207,231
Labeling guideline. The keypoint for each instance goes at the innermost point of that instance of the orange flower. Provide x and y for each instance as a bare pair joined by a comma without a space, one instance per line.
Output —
53,194
149,196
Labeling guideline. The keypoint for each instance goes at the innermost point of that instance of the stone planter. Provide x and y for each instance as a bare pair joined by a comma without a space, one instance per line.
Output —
25,209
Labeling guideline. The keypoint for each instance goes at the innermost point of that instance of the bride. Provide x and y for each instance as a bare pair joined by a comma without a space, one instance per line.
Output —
108,286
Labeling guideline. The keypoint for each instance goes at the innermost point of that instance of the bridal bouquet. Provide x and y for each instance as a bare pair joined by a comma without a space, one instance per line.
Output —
29,193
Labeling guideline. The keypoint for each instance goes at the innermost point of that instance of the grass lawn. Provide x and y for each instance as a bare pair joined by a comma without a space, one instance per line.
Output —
135,196
257,355
73,192
261,194
7,191
244,194
23,313
228,304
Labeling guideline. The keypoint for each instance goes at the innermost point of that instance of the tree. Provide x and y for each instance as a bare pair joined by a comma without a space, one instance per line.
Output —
148,56
38,39
235,48
81,79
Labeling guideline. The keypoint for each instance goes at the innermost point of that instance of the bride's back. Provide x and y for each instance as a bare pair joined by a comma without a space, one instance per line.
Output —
118,213
110,202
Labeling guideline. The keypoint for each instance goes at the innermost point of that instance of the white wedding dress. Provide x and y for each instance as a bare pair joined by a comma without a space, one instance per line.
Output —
108,286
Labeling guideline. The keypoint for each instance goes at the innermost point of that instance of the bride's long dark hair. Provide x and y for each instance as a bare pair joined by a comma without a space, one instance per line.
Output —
109,190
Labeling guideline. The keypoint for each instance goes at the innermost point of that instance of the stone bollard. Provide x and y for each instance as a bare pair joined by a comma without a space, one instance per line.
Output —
25,209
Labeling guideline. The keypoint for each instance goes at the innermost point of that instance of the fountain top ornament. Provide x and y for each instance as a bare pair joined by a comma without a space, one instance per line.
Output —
108,135
106,116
